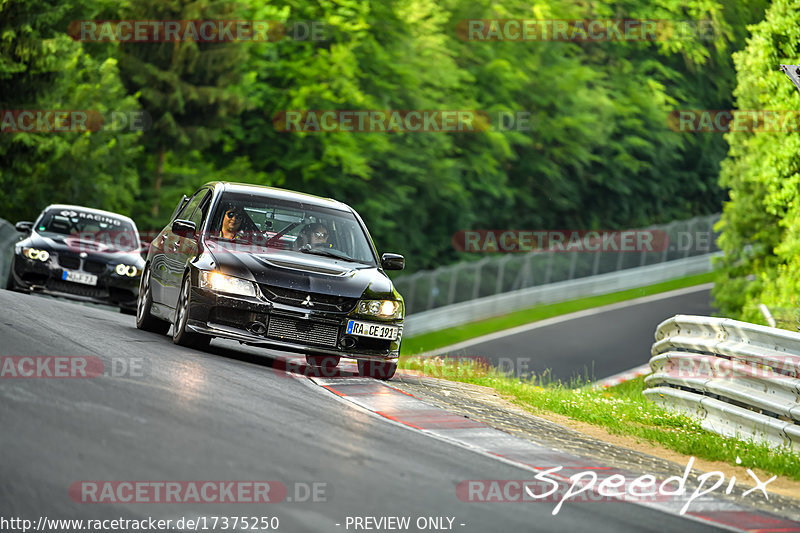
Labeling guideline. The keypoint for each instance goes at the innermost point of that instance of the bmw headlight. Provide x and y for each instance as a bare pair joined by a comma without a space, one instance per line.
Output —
33,253
222,283
126,270
381,308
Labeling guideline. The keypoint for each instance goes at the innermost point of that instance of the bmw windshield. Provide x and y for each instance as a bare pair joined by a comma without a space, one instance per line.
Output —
105,232
269,223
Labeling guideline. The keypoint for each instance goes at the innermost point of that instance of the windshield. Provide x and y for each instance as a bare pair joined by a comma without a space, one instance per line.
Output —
291,226
104,231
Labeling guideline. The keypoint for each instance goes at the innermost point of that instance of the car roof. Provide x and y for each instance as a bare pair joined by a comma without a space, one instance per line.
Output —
282,194
88,210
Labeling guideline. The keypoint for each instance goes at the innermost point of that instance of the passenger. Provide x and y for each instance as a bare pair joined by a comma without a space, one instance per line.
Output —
315,235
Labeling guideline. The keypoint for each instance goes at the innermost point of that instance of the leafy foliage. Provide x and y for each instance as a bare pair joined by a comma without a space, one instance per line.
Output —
760,221
599,152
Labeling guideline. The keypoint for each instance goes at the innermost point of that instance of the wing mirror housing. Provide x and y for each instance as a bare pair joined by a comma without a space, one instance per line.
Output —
393,262
184,228
24,227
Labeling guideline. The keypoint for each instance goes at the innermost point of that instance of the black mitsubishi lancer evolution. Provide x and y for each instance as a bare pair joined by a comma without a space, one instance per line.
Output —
276,268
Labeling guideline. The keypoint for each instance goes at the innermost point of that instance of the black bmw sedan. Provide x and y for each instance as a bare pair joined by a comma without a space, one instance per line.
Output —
275,268
79,253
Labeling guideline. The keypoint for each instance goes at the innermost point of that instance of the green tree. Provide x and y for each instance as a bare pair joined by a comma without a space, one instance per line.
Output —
760,221
184,86
42,68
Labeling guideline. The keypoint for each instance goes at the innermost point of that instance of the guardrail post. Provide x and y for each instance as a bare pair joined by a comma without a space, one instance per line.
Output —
689,226
434,291
526,271
499,285
666,248
572,263
596,263
548,271
451,292
477,283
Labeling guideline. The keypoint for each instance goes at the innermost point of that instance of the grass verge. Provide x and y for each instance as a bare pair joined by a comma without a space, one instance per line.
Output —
621,410
446,337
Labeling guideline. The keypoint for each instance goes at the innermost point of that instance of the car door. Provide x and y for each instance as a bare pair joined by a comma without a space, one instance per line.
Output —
184,248
165,260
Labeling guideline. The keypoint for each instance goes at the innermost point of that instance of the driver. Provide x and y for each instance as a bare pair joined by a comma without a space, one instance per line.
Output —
232,220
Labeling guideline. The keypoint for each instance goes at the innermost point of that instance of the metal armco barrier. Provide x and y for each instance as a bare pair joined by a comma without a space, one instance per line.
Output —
497,274
742,380
500,304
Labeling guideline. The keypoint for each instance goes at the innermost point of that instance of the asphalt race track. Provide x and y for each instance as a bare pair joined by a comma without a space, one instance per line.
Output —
590,347
227,414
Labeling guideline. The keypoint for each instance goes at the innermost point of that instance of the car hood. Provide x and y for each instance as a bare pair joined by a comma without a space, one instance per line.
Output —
73,245
303,272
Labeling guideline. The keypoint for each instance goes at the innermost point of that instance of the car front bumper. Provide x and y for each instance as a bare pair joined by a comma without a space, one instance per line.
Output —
260,322
46,278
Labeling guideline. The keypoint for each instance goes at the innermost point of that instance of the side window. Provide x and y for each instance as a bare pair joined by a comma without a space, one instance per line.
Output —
180,208
188,210
200,213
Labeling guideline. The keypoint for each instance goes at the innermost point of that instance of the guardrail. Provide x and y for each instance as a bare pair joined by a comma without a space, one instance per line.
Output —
501,304
740,379
509,272
8,236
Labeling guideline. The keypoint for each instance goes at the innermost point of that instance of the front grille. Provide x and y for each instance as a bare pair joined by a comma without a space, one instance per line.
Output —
238,318
77,288
95,267
69,261
306,331
321,302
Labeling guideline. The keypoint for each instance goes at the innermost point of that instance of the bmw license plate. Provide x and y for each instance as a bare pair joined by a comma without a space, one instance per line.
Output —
371,329
79,277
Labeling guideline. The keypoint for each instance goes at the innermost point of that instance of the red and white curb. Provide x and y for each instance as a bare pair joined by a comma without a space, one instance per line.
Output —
622,377
403,408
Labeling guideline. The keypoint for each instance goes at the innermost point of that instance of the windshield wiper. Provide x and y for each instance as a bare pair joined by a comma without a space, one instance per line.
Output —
327,253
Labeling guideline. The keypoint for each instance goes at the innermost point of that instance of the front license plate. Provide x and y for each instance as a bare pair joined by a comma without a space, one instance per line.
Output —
79,277
371,329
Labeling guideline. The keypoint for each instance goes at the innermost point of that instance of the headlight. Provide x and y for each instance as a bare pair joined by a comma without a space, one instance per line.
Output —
33,253
222,283
126,270
381,308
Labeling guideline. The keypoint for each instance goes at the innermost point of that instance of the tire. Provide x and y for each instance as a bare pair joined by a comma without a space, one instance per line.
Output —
180,335
377,369
144,320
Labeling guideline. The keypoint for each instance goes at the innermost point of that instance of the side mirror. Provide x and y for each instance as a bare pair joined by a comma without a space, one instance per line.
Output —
24,227
393,262
184,228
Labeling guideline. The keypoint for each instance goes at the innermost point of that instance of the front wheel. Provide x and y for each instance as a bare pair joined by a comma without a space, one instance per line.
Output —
377,369
180,335
144,320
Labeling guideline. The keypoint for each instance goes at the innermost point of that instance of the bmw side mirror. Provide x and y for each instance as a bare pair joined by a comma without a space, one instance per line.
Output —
393,262
184,228
24,227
